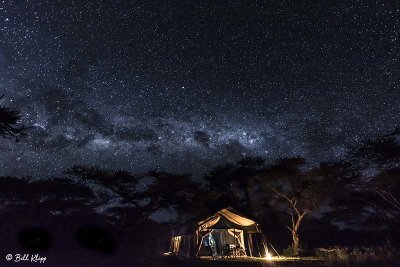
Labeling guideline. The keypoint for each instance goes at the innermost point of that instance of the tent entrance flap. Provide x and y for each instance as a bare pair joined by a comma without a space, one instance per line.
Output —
214,242
175,244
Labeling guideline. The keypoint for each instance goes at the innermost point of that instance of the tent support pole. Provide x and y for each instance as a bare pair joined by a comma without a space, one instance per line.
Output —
266,241
198,250
263,241
234,234
201,242
258,247
250,247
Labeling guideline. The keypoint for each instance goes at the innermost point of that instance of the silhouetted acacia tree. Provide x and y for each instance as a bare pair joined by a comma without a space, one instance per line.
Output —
144,194
378,153
55,196
9,123
235,185
289,184
374,181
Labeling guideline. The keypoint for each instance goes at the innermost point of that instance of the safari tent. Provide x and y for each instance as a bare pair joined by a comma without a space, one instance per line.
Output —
226,233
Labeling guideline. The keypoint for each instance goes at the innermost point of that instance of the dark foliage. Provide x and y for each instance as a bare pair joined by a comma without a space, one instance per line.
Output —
95,238
10,123
35,239
56,196
143,194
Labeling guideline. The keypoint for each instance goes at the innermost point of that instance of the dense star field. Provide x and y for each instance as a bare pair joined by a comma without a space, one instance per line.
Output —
187,85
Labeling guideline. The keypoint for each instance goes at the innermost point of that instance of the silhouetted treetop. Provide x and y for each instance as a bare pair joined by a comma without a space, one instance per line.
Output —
10,123
377,152
58,195
145,193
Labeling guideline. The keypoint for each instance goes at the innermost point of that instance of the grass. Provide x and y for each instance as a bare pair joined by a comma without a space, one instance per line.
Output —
378,256
279,262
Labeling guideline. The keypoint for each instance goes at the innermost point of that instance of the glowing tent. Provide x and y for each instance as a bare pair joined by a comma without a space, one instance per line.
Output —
227,233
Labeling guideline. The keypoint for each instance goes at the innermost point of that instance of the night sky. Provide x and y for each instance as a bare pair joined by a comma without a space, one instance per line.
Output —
186,85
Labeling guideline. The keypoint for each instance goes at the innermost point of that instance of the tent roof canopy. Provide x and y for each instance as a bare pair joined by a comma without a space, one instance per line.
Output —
228,218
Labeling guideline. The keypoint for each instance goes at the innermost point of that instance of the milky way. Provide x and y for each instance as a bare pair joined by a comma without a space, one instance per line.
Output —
186,85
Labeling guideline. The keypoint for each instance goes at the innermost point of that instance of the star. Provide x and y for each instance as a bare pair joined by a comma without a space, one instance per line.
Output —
189,87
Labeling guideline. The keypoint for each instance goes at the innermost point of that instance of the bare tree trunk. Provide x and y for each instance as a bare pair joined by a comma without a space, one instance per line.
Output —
296,242
296,222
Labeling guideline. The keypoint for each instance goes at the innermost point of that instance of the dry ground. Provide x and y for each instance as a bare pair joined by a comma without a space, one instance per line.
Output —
276,262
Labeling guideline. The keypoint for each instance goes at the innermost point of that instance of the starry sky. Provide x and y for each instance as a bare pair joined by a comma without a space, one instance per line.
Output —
186,85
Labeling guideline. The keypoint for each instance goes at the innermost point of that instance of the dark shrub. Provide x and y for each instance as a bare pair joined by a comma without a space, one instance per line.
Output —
34,239
95,238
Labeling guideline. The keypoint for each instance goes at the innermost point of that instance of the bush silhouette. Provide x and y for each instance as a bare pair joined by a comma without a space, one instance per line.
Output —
95,238
35,239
